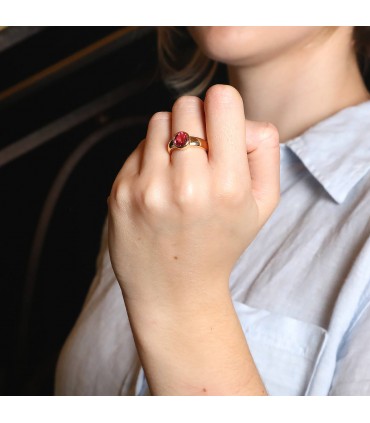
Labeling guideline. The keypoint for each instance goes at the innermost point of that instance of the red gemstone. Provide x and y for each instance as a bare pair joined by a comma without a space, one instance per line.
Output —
180,139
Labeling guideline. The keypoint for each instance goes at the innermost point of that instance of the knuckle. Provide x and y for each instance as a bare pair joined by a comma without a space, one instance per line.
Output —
231,193
269,133
223,92
186,196
189,102
162,115
120,194
151,198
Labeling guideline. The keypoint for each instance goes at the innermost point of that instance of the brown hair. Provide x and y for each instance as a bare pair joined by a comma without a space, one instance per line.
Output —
187,71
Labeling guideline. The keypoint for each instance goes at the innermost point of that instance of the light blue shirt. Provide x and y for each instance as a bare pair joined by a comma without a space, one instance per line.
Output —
301,289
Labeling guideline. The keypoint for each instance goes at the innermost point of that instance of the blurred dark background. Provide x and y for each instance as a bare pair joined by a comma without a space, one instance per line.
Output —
74,103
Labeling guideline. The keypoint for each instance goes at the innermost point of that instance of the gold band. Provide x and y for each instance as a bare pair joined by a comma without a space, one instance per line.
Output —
192,142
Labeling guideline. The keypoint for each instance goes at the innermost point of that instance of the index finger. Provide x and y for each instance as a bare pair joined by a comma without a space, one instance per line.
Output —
225,125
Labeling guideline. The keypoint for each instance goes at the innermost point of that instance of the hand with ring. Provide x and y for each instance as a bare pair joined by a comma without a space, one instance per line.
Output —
186,204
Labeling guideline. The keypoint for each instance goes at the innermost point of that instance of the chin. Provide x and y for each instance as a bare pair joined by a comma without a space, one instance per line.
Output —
226,44
244,45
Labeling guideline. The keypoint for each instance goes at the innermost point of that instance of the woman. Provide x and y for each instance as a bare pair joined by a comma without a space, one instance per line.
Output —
241,274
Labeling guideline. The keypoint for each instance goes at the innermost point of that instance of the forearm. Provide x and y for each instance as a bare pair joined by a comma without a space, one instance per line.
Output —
195,349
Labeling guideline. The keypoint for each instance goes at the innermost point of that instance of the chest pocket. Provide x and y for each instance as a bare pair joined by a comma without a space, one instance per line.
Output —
286,351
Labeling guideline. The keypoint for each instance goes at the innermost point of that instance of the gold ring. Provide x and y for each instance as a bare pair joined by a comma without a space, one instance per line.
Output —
183,140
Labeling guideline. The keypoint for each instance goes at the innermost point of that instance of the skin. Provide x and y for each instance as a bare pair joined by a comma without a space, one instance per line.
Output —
177,224
306,73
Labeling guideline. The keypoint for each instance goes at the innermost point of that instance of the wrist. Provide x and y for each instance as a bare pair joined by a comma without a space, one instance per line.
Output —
182,352
159,315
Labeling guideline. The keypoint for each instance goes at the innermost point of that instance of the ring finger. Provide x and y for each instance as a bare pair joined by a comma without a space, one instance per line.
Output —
188,115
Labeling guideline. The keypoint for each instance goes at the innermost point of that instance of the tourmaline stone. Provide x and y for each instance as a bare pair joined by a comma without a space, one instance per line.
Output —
180,139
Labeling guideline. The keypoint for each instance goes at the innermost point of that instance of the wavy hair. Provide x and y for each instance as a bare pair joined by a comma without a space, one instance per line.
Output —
186,70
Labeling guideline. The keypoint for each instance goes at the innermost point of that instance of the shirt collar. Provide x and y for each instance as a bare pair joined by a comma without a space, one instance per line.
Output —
336,151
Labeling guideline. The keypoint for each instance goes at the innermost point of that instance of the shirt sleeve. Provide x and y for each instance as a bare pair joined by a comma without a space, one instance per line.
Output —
352,372
99,356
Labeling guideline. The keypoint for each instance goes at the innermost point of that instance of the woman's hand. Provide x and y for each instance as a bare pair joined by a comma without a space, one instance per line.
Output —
177,225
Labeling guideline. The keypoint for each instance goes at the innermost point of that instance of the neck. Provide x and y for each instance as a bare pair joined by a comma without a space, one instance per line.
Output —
302,86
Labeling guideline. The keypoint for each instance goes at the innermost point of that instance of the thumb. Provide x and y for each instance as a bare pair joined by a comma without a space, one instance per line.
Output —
263,150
